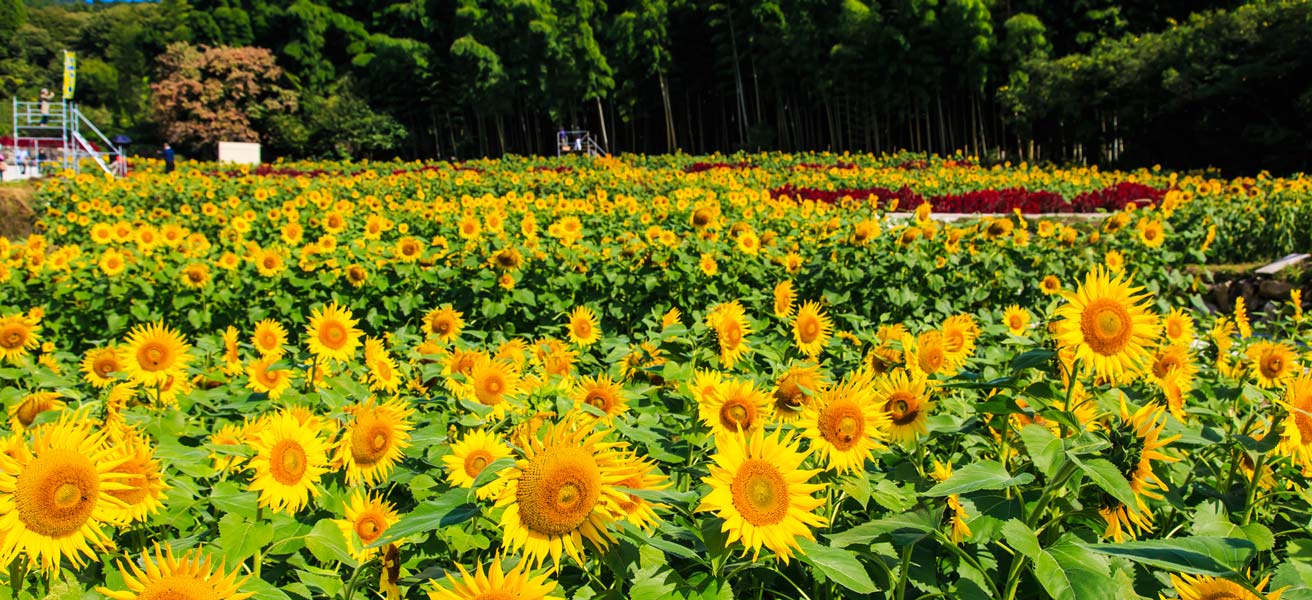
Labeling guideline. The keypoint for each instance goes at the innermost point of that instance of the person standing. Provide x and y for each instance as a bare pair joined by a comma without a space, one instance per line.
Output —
168,158
20,160
46,97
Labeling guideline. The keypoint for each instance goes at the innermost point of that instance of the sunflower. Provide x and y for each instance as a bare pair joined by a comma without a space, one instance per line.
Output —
845,425
1108,324
24,412
926,354
735,406
959,334
602,394
141,477
642,475
444,322
760,490
231,352
495,584
1151,232
367,519
584,328
1050,285
100,365
562,492
55,496
269,262
493,382
1178,327
374,441
793,391
729,320
1136,444
1241,318
156,354
264,379
1273,363
1296,440
165,577
332,334
811,329
784,296
748,243
383,376
18,336
289,459
470,455
1017,320
1204,587
224,446
707,264
112,263
269,338
906,401
409,249
1114,260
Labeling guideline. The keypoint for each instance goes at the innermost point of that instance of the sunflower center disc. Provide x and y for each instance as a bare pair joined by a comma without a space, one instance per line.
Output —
736,415
370,442
56,493
441,327
1273,366
288,462
558,490
334,334
1304,424
597,399
900,410
152,357
369,529
810,329
1105,325
733,335
13,339
476,462
760,493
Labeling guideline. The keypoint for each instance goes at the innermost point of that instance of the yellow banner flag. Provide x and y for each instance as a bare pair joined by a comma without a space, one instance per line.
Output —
70,74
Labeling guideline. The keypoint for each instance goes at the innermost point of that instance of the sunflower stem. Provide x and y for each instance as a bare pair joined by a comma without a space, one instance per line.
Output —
1252,488
350,585
900,592
970,560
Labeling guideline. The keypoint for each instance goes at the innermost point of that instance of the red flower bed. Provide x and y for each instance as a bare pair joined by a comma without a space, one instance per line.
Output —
1007,200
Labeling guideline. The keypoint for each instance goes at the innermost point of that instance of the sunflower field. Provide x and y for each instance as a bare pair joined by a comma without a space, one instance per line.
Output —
757,376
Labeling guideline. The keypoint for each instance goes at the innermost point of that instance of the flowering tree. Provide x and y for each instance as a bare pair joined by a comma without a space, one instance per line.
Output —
206,95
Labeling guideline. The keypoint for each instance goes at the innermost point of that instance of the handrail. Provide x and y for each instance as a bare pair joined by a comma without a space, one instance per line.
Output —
108,144
86,147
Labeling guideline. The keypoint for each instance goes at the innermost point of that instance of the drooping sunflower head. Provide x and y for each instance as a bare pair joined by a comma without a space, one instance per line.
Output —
584,328
760,490
845,425
367,518
332,334
289,459
784,297
794,390
1109,325
24,412
736,406
729,320
811,328
1274,363
269,338
166,577
374,440
563,491
444,322
494,584
906,401
100,364
602,394
141,479
1136,443
641,474
156,354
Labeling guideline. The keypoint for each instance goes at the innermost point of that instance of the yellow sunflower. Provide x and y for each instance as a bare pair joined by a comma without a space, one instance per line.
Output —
493,382
141,477
1203,587
24,412
602,394
764,496
906,401
794,390
845,425
1241,318
1151,233
269,338
374,441
1017,320
729,320
165,577
736,406
1136,445
262,378
100,365
1109,325
55,497
811,329
1273,363
289,459
1178,327
231,352
584,328
444,322
156,354
959,334
367,519
784,296
642,475
195,276
927,354
18,336
1050,285
1296,439
495,584
562,492
470,455
332,334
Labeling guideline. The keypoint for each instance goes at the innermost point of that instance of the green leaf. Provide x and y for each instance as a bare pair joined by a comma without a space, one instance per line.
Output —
451,508
1210,520
1044,448
327,543
905,528
1214,556
1032,359
837,564
1103,473
241,538
1069,571
987,475
1020,537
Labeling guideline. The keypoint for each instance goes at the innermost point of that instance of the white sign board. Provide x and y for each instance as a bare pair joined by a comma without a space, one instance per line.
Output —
239,152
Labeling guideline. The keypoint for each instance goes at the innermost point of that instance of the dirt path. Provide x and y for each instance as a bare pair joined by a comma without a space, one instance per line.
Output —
16,216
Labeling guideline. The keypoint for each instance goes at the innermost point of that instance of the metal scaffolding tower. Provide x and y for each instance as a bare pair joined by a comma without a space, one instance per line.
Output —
578,142
63,130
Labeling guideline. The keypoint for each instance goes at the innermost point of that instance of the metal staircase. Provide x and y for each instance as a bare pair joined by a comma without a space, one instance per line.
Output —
62,130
